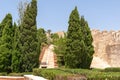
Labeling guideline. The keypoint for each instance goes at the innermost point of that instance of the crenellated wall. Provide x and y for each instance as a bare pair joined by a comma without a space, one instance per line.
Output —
107,49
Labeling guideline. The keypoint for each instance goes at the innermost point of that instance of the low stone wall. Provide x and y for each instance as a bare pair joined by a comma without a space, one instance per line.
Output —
11,78
26,77
32,77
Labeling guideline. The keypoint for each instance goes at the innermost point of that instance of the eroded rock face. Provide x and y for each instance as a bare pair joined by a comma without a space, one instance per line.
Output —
107,49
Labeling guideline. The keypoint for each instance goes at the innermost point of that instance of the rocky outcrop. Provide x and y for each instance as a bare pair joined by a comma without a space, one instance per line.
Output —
107,49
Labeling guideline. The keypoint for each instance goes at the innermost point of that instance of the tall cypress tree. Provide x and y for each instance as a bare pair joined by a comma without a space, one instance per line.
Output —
28,39
2,25
89,49
16,51
6,45
74,42
79,49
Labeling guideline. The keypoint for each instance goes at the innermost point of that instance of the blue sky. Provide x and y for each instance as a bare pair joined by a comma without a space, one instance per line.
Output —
54,14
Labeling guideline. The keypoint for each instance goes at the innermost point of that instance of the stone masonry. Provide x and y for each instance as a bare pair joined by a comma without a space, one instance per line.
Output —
107,49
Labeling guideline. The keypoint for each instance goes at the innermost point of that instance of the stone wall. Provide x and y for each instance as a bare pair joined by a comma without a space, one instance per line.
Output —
107,49
11,78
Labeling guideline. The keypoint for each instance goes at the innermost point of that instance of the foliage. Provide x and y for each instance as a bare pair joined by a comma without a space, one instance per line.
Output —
59,48
3,74
42,39
79,49
19,74
74,42
16,51
48,34
112,69
21,10
6,45
89,74
51,74
89,49
28,39
54,37
2,25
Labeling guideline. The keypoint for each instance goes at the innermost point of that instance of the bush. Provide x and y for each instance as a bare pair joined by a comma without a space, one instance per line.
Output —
50,74
55,74
15,74
112,69
3,74
19,74
69,74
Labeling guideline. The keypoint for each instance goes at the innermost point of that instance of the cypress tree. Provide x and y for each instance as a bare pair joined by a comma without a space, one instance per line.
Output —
2,25
79,49
74,41
16,52
6,45
89,49
28,39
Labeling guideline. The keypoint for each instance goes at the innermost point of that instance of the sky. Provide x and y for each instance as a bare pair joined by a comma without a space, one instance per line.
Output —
54,14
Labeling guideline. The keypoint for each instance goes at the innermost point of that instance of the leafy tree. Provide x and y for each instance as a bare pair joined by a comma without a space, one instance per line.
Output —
6,45
42,39
28,39
48,34
21,10
54,37
59,48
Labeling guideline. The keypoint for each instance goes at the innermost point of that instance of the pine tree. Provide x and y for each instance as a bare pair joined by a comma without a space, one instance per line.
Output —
74,42
28,39
6,45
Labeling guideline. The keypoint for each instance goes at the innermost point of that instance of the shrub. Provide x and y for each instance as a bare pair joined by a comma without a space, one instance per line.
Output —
112,69
76,74
3,74
19,74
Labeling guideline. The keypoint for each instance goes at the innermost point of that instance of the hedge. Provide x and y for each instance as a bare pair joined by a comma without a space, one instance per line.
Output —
63,74
112,69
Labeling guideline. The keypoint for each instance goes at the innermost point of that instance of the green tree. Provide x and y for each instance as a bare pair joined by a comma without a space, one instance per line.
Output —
79,49
16,51
21,10
74,41
54,37
89,49
6,45
42,39
2,25
28,39
59,48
